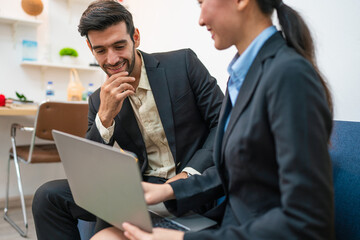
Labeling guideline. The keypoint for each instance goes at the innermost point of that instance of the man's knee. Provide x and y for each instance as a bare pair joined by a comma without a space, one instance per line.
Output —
48,194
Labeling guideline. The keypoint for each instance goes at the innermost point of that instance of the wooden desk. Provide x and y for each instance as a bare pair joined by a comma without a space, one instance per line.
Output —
18,111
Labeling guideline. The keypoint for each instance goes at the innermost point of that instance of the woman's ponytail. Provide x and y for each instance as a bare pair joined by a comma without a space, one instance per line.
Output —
297,35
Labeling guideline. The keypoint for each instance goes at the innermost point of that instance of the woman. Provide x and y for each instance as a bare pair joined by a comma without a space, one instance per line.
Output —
271,156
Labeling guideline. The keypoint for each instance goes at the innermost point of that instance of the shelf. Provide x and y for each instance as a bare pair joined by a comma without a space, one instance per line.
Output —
12,20
44,65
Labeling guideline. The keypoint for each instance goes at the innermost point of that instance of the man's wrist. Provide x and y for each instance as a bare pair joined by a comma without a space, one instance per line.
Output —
187,174
191,171
106,122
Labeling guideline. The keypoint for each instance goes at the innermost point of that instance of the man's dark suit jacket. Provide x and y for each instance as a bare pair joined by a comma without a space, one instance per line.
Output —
272,161
188,100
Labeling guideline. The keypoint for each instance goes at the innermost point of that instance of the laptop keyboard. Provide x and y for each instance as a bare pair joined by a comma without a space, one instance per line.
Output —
159,221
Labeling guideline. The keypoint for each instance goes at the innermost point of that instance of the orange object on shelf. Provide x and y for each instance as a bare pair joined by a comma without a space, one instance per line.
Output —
32,7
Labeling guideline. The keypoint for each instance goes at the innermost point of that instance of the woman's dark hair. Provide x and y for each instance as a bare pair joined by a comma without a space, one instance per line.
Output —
297,35
102,14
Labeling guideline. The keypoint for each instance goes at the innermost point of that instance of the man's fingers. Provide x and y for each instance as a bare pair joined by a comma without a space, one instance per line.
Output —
116,75
109,85
122,76
123,87
125,79
121,96
113,77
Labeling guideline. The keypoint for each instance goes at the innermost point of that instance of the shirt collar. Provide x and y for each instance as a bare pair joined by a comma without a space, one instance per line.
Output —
144,81
240,64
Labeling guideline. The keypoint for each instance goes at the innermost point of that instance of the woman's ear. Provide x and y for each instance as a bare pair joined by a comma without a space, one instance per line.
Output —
242,4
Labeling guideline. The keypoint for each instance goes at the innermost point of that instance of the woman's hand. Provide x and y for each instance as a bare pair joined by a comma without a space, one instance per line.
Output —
156,193
134,233
110,233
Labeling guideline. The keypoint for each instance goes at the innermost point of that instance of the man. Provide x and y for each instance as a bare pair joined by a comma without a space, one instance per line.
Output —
163,107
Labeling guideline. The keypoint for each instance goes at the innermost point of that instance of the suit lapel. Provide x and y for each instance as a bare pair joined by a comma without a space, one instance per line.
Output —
252,79
225,110
224,113
160,90
129,124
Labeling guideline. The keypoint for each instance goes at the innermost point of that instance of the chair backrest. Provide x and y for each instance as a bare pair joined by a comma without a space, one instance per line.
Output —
69,117
345,155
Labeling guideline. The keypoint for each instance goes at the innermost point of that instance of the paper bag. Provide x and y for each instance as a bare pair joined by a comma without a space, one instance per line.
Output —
75,88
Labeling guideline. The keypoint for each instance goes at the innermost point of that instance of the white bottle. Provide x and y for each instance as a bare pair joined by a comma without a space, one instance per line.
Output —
50,93
90,90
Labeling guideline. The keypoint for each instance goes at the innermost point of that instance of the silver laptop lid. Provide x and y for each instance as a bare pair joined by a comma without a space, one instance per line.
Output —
99,178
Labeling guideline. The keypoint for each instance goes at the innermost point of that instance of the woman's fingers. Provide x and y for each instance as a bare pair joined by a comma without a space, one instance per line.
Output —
134,233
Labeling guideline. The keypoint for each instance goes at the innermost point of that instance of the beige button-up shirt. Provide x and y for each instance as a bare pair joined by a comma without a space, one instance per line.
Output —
161,161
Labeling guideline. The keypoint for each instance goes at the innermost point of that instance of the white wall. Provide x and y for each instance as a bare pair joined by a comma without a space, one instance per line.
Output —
172,24
58,30
335,27
166,25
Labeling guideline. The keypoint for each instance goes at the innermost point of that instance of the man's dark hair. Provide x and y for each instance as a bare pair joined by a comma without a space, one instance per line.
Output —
102,14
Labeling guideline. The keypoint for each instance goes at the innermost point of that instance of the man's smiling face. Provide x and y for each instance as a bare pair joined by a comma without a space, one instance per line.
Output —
113,49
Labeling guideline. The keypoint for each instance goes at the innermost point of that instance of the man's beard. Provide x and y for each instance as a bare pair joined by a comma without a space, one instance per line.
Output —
129,69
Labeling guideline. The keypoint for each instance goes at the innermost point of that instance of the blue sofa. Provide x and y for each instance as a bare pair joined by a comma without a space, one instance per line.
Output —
345,154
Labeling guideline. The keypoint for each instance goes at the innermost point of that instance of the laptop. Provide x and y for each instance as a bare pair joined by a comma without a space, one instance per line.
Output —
107,183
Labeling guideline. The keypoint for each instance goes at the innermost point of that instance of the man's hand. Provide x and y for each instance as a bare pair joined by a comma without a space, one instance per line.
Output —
112,95
182,175
134,233
157,193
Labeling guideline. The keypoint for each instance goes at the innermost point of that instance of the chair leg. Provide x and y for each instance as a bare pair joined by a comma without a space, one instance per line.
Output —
23,233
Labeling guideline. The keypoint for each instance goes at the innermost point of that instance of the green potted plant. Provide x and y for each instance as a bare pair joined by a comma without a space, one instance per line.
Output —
68,55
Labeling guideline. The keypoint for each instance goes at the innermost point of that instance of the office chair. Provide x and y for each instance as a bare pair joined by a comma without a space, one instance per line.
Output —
70,117
345,155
